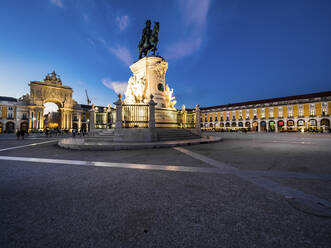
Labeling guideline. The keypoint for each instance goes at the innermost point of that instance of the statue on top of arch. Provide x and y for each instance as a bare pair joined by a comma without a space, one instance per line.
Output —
53,78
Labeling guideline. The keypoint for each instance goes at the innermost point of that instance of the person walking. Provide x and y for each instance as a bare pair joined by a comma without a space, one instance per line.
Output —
18,133
22,134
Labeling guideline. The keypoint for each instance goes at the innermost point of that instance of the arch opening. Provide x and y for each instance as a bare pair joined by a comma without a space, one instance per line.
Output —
52,116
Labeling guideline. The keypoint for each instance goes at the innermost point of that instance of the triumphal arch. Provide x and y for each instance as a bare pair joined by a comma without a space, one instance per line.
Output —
50,90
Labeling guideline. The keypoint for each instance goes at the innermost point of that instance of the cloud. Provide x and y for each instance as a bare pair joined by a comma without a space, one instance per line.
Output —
194,14
183,48
122,22
119,51
122,53
58,3
118,87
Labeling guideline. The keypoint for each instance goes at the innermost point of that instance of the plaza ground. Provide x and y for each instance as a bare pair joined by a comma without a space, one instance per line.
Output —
250,190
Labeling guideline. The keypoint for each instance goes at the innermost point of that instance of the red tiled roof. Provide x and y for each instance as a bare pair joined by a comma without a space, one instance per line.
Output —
278,99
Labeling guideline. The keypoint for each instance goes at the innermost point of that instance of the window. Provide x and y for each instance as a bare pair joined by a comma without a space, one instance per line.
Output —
312,111
10,108
227,116
300,110
247,114
280,112
255,113
263,113
10,115
271,112
210,119
221,116
0,111
24,116
290,111
240,114
215,117
233,115
324,108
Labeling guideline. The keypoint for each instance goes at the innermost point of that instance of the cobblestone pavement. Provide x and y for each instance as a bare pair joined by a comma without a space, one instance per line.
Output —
250,190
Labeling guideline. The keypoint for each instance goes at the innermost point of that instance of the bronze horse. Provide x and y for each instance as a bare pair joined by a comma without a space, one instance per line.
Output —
148,44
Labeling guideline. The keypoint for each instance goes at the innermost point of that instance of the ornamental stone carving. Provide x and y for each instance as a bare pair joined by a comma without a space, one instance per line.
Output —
149,78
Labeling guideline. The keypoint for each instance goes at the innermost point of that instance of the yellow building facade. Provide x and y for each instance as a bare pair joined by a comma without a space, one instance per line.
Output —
310,112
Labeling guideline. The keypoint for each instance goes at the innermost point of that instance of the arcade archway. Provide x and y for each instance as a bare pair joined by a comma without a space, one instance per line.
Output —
10,127
325,124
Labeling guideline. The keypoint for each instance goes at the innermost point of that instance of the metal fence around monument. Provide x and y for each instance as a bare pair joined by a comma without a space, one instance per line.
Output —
190,119
168,118
135,115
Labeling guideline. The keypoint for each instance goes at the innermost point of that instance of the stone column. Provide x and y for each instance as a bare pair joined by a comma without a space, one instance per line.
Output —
35,119
79,121
70,121
41,123
92,119
183,116
197,120
30,120
62,119
118,103
151,121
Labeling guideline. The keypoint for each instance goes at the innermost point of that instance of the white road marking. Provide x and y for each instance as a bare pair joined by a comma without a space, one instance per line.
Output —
33,144
257,180
114,164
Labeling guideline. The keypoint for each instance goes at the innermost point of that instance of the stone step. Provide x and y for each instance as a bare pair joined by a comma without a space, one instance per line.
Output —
175,134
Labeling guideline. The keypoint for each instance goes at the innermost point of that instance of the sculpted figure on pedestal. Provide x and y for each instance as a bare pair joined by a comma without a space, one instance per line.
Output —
149,39
170,99
136,90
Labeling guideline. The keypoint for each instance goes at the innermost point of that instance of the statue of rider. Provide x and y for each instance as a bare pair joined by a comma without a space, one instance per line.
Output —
146,34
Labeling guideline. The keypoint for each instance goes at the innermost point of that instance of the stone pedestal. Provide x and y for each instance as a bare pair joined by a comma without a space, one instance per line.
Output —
197,120
118,103
148,78
92,119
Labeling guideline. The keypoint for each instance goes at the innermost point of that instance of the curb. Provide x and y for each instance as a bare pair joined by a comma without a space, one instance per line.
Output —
78,144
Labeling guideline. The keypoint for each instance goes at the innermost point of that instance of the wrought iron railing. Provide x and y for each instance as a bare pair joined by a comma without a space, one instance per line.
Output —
190,119
135,115
168,117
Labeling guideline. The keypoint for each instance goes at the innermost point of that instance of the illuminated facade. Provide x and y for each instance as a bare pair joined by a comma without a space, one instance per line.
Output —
27,112
310,112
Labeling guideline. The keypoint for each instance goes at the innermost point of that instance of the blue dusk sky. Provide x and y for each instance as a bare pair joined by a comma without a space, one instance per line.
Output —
219,51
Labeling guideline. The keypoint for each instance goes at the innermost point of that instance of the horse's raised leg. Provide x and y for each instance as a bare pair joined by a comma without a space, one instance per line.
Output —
140,53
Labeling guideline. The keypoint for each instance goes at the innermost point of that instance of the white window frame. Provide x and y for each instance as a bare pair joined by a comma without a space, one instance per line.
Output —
280,112
262,112
300,110
312,109
324,108
290,111
271,112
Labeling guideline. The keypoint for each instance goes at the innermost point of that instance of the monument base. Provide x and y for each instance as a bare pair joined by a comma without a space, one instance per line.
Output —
149,79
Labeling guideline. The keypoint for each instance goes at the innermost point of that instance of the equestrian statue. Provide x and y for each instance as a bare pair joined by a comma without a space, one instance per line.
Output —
149,39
